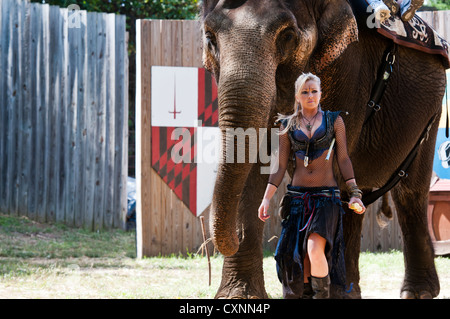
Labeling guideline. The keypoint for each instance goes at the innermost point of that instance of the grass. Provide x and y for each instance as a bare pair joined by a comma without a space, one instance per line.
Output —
54,261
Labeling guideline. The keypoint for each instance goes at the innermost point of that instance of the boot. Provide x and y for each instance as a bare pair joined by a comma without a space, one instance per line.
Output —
408,9
393,6
321,287
380,10
307,290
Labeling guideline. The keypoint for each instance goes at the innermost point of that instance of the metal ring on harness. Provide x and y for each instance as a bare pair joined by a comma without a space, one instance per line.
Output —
374,106
393,58
383,76
402,173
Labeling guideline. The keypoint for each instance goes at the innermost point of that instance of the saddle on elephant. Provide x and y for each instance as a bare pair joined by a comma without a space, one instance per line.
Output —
416,34
413,32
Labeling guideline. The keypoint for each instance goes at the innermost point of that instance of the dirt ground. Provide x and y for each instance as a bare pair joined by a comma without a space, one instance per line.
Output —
147,279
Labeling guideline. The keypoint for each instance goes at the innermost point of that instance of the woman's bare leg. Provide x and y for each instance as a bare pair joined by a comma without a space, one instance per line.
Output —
316,253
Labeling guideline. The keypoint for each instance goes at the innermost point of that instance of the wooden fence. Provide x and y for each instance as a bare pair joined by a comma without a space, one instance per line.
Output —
63,114
164,224
439,20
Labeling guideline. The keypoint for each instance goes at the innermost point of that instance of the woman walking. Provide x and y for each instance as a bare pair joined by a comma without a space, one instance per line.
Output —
310,251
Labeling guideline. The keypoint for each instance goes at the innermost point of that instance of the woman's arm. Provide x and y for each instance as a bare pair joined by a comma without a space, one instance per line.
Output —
276,178
343,159
346,167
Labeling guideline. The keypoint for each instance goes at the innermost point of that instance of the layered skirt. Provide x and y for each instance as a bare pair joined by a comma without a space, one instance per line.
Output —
312,210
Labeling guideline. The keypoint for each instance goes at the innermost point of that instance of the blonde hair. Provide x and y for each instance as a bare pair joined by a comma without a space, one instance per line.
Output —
293,120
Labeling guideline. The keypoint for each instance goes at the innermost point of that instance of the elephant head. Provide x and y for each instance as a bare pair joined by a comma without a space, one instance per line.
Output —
256,49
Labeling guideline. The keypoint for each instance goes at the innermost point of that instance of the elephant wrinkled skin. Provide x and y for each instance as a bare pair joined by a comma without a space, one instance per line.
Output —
256,49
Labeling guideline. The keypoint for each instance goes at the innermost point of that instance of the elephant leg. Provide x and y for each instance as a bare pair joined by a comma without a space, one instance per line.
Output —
352,237
421,280
242,273
411,201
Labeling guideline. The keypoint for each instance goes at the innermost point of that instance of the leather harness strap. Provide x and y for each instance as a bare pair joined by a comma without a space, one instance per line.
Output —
401,172
383,77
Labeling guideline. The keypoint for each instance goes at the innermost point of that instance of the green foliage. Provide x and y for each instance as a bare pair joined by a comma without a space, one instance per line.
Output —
152,9
146,9
439,4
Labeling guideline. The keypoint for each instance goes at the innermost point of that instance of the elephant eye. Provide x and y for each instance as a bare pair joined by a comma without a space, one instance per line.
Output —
287,41
211,41
212,61
288,35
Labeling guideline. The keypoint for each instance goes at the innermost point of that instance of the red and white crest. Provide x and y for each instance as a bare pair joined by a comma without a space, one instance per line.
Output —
185,133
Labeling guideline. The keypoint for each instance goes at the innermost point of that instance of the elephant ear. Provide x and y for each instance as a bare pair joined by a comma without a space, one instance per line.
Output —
207,6
337,28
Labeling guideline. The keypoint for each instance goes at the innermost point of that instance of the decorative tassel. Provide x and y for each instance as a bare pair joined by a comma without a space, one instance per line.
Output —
306,158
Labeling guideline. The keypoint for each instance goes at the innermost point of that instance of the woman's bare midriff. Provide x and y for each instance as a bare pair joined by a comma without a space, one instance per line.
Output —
318,173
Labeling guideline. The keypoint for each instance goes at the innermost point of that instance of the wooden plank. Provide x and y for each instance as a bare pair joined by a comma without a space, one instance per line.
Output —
100,123
187,46
154,211
125,131
176,37
178,217
440,23
81,133
62,174
13,104
42,166
121,138
197,44
5,111
166,43
110,115
71,145
193,238
177,223
159,57
444,16
173,217
25,148
53,125
8,11
35,30
156,231
3,43
91,119
193,42
447,25
145,33
141,230
12,112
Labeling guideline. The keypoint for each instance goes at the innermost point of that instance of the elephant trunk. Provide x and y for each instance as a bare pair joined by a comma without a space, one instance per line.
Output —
244,107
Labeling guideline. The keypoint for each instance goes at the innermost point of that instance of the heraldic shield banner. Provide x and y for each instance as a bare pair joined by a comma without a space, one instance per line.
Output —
185,134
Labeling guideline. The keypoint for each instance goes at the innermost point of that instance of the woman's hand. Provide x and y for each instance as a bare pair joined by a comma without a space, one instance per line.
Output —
263,210
356,205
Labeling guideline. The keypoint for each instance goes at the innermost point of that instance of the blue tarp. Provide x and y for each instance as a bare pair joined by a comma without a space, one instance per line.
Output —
131,202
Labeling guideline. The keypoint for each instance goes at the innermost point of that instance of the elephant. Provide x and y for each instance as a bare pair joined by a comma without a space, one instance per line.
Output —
256,49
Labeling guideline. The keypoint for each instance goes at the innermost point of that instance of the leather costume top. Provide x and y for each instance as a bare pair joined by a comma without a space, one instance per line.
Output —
313,147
